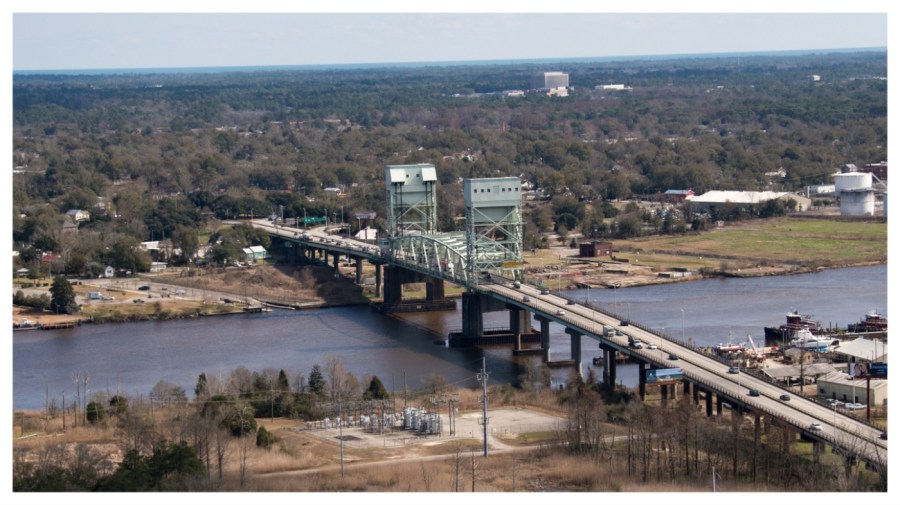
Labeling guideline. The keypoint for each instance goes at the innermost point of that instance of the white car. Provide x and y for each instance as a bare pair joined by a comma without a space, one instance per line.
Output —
180,292
652,346
815,427
560,312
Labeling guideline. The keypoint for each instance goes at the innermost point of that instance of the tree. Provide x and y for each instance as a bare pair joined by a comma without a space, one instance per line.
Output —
118,404
95,412
316,381
201,390
62,296
376,390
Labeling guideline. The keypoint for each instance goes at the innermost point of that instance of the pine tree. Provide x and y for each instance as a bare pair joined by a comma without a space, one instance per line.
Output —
316,380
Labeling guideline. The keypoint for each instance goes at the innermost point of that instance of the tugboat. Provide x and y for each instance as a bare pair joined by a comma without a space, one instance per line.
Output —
873,322
795,322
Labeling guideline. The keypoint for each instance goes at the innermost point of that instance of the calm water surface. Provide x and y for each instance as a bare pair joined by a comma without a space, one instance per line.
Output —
132,357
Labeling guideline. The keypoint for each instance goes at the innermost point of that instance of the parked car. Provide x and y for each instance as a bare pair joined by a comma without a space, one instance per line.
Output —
180,292
753,392
815,427
144,288
784,398
138,300
733,369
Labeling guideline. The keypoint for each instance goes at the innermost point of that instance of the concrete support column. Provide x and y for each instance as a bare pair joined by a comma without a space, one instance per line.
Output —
434,289
664,394
377,280
695,394
545,338
613,367
686,387
473,318
575,345
756,430
393,287
359,265
718,404
642,379
515,326
709,403
337,257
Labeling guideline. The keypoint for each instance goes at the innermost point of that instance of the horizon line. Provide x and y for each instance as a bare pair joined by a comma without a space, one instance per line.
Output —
361,65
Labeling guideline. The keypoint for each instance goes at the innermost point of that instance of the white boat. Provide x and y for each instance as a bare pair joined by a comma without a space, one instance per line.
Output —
804,339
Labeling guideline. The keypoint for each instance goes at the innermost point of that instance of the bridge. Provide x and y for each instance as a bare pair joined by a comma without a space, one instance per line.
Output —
486,260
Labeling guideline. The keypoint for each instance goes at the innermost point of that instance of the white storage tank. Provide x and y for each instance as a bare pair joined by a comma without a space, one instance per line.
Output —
852,180
858,202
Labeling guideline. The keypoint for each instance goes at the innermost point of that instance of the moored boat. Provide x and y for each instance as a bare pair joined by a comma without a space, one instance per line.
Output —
872,322
805,339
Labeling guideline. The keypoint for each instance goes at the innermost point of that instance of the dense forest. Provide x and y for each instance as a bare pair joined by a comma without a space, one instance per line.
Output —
169,155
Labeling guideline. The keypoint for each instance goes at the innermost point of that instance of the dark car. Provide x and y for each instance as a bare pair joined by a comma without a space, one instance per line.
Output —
784,398
144,288
753,392
673,357
883,435
624,322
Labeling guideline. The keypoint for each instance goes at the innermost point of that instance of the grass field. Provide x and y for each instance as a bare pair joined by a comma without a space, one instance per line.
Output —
786,239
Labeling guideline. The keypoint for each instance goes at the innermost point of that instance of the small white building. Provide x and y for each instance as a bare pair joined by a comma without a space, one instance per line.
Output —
158,266
255,253
78,215
109,272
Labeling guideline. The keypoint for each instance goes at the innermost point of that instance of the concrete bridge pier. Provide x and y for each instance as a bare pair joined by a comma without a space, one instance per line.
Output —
434,290
642,379
686,387
609,365
334,261
377,279
545,338
709,403
575,345
359,265
519,324
718,404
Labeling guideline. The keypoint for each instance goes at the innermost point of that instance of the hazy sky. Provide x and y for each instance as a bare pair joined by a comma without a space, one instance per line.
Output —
48,40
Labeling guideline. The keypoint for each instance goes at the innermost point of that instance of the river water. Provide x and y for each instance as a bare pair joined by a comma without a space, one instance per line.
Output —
131,357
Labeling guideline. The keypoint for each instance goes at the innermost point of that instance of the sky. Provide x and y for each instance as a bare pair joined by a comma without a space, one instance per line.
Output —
55,39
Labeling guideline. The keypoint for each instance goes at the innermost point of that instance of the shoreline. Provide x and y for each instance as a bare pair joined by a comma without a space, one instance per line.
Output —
34,320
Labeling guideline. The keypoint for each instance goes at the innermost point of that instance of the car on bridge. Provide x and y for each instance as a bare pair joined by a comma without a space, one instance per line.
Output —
733,369
784,398
517,284
545,291
560,312
651,345
673,357
815,427
753,392
526,298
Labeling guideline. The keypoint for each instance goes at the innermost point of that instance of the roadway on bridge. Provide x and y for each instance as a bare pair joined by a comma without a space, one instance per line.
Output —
843,431
836,428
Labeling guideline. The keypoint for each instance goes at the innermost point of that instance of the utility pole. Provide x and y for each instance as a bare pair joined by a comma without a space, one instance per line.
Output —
341,431
483,376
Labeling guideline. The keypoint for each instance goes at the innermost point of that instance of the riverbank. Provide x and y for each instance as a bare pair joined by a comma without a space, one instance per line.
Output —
753,248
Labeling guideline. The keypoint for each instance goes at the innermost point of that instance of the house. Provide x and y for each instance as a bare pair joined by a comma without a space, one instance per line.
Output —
78,215
109,272
158,266
255,252
594,249
22,272
678,195
69,228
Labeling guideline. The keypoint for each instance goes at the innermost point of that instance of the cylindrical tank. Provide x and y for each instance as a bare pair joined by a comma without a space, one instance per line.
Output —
859,202
852,180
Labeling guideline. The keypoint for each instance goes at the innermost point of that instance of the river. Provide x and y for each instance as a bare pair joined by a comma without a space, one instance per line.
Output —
130,358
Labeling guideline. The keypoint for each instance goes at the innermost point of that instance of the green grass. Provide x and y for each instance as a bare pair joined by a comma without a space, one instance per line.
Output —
782,240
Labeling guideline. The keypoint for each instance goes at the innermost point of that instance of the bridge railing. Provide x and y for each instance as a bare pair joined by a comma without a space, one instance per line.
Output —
758,374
